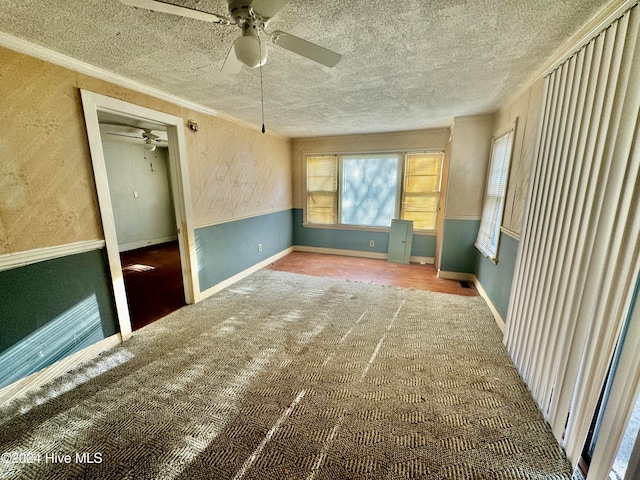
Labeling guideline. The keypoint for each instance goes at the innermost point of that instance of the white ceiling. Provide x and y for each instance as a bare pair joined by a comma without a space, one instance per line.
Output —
407,64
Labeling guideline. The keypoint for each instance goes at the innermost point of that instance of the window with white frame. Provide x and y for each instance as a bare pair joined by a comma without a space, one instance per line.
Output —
495,190
371,189
322,189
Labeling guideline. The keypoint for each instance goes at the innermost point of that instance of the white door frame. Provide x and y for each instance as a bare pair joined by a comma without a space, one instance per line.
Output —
93,103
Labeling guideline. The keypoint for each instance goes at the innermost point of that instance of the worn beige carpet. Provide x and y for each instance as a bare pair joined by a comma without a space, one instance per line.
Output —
286,376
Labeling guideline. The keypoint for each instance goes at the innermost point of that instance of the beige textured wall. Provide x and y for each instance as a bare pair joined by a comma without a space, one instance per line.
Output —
236,172
526,109
397,141
46,183
47,192
470,149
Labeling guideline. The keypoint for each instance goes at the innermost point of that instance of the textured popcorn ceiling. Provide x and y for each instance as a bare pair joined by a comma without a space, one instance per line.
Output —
407,64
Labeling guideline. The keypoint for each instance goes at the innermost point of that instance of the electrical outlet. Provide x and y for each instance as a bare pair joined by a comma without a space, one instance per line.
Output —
371,243
259,247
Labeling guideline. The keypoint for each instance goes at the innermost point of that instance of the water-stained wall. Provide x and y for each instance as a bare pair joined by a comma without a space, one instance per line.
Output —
47,195
48,200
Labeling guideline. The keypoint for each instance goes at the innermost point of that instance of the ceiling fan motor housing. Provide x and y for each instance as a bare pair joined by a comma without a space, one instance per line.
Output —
249,49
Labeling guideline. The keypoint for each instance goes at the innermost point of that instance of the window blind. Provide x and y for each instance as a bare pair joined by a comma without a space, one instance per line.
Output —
370,189
322,189
578,257
421,192
489,233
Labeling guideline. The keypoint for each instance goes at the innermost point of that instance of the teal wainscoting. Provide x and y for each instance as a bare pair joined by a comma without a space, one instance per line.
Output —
51,309
357,240
458,249
496,278
227,249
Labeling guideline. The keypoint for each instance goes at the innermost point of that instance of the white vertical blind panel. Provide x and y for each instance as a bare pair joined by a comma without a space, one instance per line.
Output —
547,259
535,215
517,331
564,323
566,218
594,104
591,262
557,230
576,265
616,234
574,219
541,270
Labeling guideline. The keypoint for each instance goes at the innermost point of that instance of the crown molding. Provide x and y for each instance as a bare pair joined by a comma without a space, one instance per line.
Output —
33,50
589,30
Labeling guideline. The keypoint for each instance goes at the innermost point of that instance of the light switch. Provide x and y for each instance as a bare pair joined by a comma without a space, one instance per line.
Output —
135,193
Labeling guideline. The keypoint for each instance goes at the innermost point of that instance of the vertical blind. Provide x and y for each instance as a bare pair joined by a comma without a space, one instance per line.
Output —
578,257
489,232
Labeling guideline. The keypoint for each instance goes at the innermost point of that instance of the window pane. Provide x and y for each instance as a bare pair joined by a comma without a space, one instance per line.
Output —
322,189
422,184
422,189
369,190
322,207
489,233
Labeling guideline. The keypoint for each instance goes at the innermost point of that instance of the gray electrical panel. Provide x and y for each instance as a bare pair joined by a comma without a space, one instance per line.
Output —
400,240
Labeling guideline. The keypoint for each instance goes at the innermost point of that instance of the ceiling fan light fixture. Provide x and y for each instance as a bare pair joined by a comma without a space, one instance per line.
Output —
250,51
150,147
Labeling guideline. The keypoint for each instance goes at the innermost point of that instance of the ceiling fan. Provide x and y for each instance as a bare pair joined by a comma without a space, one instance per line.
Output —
149,139
252,17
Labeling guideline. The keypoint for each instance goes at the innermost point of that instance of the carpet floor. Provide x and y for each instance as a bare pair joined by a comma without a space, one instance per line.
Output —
286,376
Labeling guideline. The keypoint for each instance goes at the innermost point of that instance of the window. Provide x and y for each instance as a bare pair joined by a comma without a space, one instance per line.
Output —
421,192
369,189
489,233
322,189
372,189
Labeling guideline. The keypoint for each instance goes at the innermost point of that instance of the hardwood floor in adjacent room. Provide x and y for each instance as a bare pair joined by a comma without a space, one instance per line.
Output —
153,280
368,270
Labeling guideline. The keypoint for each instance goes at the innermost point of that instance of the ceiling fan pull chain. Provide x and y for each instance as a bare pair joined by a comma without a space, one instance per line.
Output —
261,87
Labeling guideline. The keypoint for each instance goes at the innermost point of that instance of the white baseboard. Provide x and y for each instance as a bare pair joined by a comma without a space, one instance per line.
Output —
47,374
470,277
245,273
494,310
423,260
125,247
357,253
339,251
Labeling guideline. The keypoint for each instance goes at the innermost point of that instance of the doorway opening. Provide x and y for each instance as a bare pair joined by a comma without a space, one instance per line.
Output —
137,163
148,240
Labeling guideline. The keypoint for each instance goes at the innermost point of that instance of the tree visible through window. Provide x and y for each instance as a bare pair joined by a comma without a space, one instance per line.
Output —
372,189
369,190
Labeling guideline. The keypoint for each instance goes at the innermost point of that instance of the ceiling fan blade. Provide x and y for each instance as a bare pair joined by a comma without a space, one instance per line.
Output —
176,10
123,135
268,8
305,48
231,64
